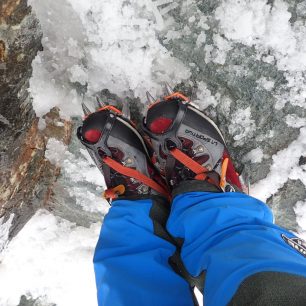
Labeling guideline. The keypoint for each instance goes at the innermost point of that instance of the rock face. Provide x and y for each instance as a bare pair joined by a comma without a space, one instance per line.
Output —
26,176
241,84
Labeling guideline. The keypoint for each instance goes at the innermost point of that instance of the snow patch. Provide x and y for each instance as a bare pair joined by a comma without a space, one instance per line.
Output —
70,164
223,46
285,166
4,231
295,121
265,83
257,23
55,151
50,257
300,211
267,27
242,126
201,39
204,98
254,156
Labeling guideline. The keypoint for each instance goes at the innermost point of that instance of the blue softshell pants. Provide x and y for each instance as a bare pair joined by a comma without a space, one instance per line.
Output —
227,240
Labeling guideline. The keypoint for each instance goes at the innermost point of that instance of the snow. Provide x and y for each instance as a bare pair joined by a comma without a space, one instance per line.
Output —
265,83
295,121
257,23
201,39
50,258
242,126
204,97
90,45
4,233
267,27
285,165
55,151
300,210
255,156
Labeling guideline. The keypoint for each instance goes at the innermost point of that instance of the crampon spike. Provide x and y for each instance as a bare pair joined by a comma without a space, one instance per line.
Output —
100,103
126,112
150,98
86,110
169,89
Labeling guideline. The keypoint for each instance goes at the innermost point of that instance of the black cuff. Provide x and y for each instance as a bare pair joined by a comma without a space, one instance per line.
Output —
142,197
194,185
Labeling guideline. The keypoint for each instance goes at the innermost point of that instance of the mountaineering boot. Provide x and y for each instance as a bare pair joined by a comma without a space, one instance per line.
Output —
188,145
120,153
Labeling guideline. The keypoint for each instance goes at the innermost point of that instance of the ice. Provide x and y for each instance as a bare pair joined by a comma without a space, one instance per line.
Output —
90,45
93,45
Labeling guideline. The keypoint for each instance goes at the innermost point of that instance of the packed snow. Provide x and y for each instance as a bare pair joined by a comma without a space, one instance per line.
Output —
90,45
50,259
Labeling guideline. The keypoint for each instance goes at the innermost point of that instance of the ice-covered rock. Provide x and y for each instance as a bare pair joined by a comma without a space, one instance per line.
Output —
242,62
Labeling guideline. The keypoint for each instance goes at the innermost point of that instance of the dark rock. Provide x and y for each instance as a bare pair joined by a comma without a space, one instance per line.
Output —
302,161
18,126
25,301
27,178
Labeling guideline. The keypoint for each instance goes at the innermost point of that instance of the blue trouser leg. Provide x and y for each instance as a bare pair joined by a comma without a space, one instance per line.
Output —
131,261
230,236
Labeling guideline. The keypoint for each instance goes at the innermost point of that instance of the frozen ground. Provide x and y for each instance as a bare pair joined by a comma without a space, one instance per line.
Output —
128,48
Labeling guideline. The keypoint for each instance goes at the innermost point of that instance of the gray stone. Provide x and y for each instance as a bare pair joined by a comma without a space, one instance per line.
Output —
283,201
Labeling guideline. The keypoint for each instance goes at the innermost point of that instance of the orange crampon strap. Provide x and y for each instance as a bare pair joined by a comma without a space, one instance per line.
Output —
107,107
136,175
195,167
223,173
177,95
111,108
172,96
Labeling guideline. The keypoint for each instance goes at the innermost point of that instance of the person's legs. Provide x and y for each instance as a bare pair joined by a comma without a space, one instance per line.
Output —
131,260
231,238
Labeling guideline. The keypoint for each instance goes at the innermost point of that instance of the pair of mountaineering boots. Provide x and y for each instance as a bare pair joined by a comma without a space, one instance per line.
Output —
176,144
